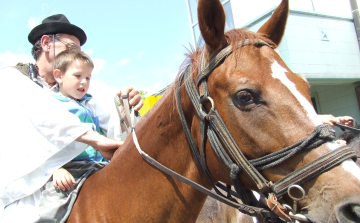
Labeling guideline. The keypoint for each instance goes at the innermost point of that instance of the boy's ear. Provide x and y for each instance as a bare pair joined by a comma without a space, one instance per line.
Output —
57,76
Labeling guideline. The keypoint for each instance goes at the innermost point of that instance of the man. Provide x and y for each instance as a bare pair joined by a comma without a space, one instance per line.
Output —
36,128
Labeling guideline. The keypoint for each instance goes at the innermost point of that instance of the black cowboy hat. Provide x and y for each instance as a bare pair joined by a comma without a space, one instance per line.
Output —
56,24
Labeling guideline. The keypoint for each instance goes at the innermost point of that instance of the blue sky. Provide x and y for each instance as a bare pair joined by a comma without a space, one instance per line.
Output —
133,43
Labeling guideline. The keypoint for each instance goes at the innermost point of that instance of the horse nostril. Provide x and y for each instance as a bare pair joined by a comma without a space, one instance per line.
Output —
348,212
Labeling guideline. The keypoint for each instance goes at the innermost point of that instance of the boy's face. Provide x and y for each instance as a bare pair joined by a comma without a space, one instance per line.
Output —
75,82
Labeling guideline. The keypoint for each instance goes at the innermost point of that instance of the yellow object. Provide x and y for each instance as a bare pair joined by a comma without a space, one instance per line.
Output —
148,103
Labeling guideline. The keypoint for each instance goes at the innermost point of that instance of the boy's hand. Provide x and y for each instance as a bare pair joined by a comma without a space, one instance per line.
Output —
63,179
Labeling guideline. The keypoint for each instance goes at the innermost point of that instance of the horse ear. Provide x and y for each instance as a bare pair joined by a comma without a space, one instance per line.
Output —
274,28
211,17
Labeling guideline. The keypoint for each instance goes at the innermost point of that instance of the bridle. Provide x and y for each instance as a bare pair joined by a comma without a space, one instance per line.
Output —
213,128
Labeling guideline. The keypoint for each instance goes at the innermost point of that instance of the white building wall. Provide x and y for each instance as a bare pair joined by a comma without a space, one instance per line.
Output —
245,11
338,100
332,66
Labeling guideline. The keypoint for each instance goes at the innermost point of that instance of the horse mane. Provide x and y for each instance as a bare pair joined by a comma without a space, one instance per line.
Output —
233,37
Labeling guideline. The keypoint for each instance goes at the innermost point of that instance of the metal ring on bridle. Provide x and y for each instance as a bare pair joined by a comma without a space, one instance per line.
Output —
204,112
299,188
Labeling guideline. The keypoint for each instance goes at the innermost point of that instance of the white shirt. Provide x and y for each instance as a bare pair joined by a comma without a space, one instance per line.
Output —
37,137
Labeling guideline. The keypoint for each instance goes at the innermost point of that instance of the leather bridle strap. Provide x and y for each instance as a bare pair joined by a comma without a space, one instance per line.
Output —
252,211
347,127
213,117
321,134
130,115
200,161
205,70
246,209
313,169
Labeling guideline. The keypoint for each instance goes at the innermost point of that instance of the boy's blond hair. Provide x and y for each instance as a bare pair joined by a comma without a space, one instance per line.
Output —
66,57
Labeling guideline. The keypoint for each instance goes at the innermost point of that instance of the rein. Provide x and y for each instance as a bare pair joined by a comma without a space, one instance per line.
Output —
347,127
253,211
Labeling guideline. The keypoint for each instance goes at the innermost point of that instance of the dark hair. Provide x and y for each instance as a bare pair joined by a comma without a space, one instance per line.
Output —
349,135
36,49
66,57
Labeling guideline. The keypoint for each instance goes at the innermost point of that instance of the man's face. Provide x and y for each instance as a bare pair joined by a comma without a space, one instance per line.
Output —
75,81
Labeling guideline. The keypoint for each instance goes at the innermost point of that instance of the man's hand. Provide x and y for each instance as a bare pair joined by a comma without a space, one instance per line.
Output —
134,97
104,145
330,120
341,142
346,120
63,179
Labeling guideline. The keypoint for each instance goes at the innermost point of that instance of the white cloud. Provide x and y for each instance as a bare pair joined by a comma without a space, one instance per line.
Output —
32,22
153,89
44,7
140,54
172,76
4,56
124,61
103,94
89,51
20,49
10,59
99,65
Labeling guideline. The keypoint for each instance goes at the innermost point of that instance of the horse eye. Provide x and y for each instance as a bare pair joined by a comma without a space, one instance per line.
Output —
244,97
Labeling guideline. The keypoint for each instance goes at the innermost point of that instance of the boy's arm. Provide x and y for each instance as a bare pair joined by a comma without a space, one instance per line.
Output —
104,145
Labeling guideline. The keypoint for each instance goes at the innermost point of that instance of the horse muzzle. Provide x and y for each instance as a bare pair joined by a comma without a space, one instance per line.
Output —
348,210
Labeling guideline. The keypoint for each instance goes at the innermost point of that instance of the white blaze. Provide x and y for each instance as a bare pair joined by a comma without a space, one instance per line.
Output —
279,72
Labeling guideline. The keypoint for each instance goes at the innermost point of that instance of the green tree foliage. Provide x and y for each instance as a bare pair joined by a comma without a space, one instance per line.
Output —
143,94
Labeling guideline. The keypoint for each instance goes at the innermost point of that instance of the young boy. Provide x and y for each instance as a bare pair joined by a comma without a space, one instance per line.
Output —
72,72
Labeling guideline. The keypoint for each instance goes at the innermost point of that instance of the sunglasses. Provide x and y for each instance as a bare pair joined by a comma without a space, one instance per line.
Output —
68,45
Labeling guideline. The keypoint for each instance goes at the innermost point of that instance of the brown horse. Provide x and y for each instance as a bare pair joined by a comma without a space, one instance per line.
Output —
216,211
265,106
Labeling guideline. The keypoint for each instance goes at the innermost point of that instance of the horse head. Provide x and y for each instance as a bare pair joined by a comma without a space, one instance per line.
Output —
266,107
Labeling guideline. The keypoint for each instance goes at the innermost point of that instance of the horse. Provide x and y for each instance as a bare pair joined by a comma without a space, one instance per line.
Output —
264,106
216,211
352,137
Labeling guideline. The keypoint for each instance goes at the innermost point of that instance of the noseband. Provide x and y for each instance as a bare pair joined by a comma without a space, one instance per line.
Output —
213,128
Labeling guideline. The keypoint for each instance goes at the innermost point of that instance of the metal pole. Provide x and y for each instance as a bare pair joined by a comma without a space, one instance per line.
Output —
356,17
312,3
191,22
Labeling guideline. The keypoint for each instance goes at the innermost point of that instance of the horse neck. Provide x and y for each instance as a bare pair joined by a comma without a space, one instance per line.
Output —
161,136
